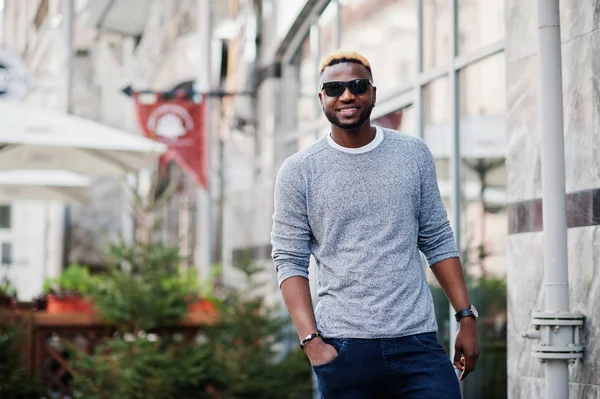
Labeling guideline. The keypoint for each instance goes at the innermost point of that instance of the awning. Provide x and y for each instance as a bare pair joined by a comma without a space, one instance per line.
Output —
32,138
46,185
125,17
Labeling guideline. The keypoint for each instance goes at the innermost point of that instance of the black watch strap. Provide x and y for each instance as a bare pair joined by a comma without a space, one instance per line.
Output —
465,313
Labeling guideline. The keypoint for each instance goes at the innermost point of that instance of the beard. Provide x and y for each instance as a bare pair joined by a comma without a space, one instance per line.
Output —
362,119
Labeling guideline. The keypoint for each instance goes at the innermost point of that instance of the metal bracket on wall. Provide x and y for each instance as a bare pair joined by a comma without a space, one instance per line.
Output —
547,325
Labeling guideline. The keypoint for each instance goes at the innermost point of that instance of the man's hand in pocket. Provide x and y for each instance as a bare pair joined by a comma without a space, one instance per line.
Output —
319,352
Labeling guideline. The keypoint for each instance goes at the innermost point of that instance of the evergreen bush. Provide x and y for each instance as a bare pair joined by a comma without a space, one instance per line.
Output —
146,294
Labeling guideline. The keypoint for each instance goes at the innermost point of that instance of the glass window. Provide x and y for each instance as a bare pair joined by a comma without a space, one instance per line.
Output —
308,102
402,120
437,131
6,253
5,217
289,147
484,224
480,22
437,134
328,30
386,33
436,33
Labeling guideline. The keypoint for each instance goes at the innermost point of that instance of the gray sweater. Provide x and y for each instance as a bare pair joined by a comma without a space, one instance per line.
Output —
363,214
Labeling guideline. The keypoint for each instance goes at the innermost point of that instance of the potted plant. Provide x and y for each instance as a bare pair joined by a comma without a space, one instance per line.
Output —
200,297
69,291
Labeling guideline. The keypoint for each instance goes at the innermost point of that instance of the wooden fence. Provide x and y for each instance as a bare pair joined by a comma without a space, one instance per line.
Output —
45,335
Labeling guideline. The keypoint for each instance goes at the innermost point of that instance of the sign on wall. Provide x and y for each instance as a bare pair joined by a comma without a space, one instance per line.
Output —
177,122
15,79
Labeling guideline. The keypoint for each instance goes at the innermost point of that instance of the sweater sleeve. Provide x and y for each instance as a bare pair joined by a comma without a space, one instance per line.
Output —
436,239
290,234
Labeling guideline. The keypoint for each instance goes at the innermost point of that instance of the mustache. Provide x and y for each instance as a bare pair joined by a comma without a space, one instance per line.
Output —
364,118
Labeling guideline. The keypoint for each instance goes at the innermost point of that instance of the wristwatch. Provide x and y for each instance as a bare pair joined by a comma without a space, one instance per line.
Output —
471,311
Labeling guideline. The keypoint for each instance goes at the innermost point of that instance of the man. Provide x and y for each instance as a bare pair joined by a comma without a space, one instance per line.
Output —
364,201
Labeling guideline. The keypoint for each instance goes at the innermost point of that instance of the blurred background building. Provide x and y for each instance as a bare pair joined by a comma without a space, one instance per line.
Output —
461,74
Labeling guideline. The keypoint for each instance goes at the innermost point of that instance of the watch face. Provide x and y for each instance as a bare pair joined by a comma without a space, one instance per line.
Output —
474,311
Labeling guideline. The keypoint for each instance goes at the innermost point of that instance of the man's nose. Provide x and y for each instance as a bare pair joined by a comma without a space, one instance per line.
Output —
347,95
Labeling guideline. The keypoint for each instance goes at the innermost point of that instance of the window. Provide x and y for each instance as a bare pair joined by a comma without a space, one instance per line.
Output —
386,33
6,249
480,22
436,33
5,217
402,120
484,222
437,132
328,30
309,109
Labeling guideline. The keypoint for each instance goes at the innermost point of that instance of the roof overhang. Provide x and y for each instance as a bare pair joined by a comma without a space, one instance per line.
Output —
299,29
125,17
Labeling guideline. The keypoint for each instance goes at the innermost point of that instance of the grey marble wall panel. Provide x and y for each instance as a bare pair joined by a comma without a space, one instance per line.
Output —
524,278
520,387
579,391
581,111
578,18
523,133
595,84
584,284
534,388
581,88
526,293
521,29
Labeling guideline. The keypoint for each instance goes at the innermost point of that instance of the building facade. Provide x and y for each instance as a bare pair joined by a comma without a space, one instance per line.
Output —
36,229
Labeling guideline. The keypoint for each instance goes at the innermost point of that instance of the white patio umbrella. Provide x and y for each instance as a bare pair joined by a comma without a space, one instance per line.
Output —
33,138
50,185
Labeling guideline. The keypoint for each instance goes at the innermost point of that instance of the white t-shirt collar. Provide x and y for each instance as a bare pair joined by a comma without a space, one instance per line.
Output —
360,150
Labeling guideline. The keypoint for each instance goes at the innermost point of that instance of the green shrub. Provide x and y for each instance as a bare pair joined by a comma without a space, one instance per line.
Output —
145,367
143,288
245,341
73,280
236,358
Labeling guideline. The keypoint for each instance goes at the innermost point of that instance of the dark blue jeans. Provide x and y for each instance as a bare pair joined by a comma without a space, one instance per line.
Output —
412,367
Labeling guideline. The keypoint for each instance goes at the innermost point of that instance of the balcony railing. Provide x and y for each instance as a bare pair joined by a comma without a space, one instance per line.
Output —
47,337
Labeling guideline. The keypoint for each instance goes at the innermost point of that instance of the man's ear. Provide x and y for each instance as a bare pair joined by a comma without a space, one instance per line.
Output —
321,101
374,91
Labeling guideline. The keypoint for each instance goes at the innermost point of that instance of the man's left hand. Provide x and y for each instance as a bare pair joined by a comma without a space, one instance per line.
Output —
466,347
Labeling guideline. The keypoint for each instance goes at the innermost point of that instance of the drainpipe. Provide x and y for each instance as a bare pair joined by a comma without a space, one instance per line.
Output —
558,330
68,36
203,244
455,155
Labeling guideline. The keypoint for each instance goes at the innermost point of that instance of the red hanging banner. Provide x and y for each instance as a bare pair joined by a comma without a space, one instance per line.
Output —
178,123
393,120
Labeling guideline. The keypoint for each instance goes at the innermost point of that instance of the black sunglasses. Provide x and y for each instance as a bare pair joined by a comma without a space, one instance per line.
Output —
356,87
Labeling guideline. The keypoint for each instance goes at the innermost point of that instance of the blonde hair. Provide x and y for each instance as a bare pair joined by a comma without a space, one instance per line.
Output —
340,56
